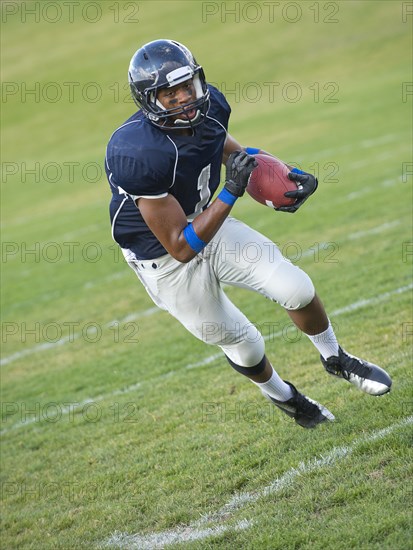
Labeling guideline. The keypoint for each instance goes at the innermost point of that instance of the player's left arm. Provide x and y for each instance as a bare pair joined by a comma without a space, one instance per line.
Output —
306,183
230,145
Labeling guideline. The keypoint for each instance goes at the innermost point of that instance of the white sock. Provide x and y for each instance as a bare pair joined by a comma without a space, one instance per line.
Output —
275,387
325,342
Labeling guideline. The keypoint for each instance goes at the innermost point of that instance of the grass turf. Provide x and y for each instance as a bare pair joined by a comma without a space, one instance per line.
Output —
127,429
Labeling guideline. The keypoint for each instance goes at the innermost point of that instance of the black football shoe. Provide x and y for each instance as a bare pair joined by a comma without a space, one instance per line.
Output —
365,376
306,412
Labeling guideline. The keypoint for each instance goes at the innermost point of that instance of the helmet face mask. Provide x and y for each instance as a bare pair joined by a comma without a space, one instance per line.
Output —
164,64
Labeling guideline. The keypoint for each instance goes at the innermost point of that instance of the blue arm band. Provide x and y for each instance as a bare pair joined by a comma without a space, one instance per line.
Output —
252,150
227,197
297,171
192,239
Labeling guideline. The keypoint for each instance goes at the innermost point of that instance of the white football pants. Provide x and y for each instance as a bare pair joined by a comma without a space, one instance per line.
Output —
192,292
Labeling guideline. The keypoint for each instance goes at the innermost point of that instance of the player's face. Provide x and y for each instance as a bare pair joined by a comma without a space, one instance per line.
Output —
177,97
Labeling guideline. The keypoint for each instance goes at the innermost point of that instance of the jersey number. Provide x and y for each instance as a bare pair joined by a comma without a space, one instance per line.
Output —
204,191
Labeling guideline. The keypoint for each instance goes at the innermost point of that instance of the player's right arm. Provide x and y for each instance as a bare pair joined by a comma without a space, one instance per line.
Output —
167,220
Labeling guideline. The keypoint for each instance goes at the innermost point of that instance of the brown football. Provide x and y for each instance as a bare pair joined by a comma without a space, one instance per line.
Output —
269,181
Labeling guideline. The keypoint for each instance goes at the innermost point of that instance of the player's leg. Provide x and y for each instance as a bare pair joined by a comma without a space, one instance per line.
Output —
306,412
313,321
227,327
244,257
192,294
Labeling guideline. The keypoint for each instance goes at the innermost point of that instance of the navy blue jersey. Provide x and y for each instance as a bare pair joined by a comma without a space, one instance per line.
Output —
145,161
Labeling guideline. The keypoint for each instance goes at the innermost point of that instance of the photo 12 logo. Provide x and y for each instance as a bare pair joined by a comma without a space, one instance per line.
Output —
68,92
69,332
69,12
18,414
50,172
270,12
276,92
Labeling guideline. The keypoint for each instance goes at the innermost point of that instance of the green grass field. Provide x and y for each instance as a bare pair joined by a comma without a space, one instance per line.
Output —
119,429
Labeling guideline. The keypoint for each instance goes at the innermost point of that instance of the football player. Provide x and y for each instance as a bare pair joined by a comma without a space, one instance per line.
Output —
163,165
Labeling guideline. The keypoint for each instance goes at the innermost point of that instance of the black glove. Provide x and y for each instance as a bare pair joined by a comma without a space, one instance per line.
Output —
307,184
238,171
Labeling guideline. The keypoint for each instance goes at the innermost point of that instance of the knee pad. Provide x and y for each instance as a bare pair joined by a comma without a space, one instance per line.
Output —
249,351
295,289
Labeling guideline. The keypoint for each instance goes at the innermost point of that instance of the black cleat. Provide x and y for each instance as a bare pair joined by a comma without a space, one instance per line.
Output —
306,412
365,376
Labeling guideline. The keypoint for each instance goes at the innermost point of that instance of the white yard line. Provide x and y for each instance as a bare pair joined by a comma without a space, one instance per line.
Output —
132,317
335,313
174,536
73,336
365,144
64,409
373,188
371,301
220,521
373,230
210,359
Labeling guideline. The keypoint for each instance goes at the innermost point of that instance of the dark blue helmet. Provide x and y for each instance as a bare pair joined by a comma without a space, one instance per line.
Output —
163,64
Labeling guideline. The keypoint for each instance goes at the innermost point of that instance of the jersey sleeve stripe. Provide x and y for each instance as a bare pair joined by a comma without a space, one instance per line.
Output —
161,196
115,216
218,122
176,160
